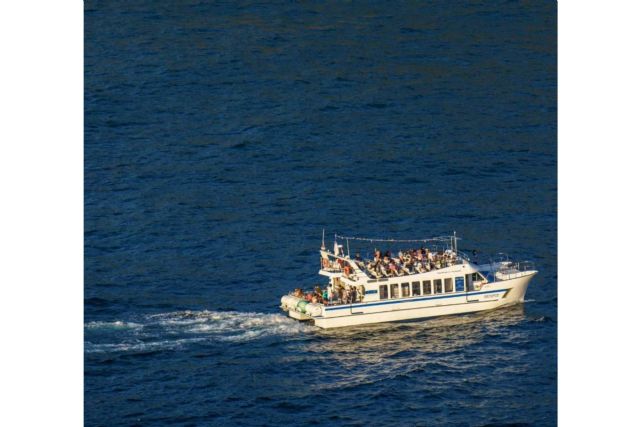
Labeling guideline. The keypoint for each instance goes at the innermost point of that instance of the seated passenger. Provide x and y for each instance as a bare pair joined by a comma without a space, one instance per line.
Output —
380,270
408,267
371,269
393,269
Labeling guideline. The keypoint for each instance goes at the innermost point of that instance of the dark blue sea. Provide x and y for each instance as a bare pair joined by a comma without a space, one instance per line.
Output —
222,137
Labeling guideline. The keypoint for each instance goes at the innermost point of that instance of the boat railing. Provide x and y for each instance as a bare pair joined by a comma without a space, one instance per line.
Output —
513,269
462,256
325,302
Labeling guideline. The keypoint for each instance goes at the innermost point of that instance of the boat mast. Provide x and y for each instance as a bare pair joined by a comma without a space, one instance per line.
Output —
455,242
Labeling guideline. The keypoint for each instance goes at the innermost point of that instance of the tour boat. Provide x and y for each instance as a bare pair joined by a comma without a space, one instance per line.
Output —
433,280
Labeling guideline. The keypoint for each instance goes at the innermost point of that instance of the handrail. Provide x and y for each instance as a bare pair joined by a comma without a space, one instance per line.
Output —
509,269
431,239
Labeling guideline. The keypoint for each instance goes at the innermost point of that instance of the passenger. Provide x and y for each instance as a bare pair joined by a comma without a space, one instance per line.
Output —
308,297
408,267
373,270
314,299
347,270
393,269
298,293
358,257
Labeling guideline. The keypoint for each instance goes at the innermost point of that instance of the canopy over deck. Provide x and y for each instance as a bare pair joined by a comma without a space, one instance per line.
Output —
450,241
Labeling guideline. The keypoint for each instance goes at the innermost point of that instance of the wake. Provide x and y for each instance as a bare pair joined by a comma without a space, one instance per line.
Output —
176,329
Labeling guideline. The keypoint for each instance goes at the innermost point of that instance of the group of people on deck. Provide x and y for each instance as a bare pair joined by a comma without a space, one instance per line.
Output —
331,295
408,262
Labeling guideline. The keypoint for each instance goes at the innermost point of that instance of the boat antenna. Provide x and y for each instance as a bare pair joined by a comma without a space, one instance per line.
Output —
455,242
323,248
348,251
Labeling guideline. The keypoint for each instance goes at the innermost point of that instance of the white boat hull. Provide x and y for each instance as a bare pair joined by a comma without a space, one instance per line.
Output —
490,296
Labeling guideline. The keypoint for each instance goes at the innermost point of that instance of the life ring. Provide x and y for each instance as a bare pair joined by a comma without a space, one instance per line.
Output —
325,262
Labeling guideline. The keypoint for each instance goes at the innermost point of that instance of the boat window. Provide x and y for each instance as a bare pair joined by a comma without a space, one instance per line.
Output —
469,281
384,292
460,284
426,287
477,277
405,289
448,284
437,284
415,288
394,291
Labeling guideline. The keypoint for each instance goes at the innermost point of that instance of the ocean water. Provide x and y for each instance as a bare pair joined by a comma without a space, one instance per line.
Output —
221,138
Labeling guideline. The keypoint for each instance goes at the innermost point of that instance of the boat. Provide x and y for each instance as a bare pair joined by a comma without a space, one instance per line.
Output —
435,279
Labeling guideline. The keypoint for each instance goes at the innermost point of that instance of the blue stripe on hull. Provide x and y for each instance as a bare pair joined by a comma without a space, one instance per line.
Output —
372,304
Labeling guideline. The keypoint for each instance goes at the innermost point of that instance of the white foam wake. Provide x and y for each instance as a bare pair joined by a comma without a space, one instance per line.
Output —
137,346
175,329
230,325
118,324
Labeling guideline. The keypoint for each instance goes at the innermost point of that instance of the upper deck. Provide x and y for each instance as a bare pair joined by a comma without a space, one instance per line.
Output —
441,254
